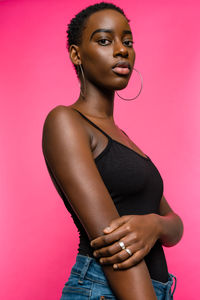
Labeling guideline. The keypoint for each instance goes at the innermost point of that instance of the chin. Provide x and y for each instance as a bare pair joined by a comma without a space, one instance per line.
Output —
121,85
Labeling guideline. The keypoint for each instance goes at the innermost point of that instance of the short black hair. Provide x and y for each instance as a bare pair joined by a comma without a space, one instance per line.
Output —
77,24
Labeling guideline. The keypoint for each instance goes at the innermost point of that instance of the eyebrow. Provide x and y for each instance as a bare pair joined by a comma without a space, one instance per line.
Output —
109,31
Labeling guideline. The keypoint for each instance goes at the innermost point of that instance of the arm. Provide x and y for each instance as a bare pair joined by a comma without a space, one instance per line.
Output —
66,147
143,231
170,225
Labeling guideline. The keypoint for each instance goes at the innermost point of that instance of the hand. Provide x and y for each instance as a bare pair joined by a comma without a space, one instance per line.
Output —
138,232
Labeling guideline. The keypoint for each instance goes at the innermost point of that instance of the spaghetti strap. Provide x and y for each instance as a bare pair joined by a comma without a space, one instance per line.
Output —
124,133
93,124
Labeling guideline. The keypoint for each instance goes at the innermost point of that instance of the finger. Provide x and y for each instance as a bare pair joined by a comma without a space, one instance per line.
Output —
112,237
106,251
119,256
115,247
116,258
131,261
116,223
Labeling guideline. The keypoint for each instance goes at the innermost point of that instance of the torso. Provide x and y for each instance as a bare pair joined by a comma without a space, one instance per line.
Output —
132,179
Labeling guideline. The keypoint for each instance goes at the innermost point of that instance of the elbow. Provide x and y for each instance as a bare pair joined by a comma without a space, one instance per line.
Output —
177,234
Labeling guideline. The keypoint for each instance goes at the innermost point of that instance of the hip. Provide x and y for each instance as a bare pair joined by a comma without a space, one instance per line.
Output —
87,281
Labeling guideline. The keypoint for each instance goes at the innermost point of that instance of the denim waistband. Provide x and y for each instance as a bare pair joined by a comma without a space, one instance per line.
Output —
166,285
89,268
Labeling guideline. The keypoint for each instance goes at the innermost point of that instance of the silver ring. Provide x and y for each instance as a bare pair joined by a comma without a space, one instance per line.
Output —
122,245
128,251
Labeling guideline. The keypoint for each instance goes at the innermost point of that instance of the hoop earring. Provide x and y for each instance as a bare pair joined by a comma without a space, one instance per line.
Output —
84,85
129,99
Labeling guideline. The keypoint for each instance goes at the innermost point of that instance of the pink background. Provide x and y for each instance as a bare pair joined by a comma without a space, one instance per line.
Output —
37,236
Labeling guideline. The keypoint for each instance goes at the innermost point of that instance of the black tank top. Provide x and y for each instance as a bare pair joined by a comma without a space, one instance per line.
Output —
135,186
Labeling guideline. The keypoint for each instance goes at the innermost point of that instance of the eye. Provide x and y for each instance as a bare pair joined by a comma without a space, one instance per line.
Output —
129,43
104,42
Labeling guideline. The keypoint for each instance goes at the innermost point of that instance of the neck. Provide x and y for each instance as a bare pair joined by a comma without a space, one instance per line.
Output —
98,102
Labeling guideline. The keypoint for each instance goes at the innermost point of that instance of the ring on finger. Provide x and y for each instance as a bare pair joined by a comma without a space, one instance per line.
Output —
122,245
128,251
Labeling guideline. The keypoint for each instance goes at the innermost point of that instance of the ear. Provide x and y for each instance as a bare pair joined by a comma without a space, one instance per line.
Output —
75,54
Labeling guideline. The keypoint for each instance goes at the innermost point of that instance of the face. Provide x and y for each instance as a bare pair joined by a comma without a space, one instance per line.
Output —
107,41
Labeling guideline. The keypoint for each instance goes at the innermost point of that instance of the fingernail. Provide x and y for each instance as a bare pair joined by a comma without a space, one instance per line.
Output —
95,254
107,229
115,266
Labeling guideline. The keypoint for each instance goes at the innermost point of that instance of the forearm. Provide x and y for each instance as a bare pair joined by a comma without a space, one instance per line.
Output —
170,228
131,284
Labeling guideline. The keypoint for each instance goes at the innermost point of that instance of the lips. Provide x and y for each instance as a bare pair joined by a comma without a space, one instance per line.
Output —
122,68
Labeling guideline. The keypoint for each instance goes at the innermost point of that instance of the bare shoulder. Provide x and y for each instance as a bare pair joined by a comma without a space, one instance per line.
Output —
65,126
60,113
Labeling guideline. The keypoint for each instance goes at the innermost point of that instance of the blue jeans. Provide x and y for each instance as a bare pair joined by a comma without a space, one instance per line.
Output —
87,281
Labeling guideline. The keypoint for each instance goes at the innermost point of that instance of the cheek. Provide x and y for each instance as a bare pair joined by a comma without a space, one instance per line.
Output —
132,56
99,60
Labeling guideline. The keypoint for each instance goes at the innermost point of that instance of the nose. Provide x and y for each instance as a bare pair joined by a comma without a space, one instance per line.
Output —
120,49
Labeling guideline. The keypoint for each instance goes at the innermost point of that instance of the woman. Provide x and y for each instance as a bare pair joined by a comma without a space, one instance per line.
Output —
104,179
